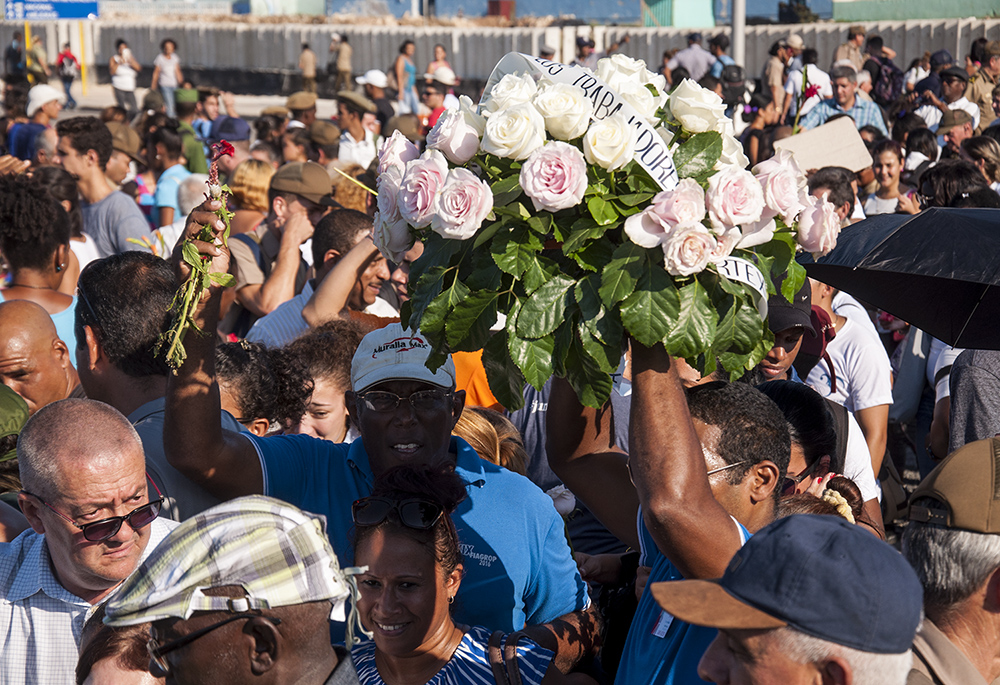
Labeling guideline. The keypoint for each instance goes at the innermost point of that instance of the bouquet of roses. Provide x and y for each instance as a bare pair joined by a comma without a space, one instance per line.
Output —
586,208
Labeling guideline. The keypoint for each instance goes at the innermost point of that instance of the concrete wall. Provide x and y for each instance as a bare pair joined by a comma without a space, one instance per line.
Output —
261,58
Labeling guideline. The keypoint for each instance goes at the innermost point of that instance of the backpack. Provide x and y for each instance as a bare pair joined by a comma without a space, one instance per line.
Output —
733,84
889,85
67,69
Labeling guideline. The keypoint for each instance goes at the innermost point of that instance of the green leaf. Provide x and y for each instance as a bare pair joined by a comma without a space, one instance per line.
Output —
564,337
432,322
606,356
602,210
793,281
739,330
780,253
533,357
696,321
506,190
468,326
544,310
592,385
505,379
191,256
540,270
652,309
481,272
486,234
580,232
699,154
595,255
514,250
428,287
621,273
223,279
586,293
634,199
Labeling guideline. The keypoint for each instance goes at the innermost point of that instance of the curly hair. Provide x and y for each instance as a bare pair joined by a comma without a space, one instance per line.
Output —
442,487
62,186
33,225
265,384
327,351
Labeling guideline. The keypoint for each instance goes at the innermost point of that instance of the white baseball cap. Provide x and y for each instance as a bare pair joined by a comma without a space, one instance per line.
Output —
443,75
374,77
396,354
42,94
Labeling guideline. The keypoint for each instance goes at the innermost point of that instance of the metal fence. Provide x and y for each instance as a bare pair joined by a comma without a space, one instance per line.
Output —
209,43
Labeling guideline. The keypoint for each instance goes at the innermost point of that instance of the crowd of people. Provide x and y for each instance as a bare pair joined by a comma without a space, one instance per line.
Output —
304,501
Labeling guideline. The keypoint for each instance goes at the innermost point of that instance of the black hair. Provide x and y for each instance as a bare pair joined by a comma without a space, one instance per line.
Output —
752,428
440,486
163,43
126,299
905,125
169,136
924,141
300,136
305,46
948,178
273,153
985,198
264,383
87,133
265,125
678,75
185,109
886,145
809,56
758,101
874,45
33,225
837,180
328,350
874,131
775,46
62,186
402,48
809,417
720,41
709,82
338,231
120,42
992,132
977,51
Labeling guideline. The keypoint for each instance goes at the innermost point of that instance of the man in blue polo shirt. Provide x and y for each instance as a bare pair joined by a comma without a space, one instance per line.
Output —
703,472
519,569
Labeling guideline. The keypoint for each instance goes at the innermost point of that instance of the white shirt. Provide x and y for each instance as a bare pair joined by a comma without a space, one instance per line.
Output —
932,115
124,76
360,152
864,377
858,461
816,77
40,620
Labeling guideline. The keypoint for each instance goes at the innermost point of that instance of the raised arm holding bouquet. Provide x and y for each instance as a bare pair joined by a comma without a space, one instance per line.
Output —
586,208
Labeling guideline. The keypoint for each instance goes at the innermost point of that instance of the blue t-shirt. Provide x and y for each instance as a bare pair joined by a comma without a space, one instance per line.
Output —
661,650
518,566
721,62
166,188
21,139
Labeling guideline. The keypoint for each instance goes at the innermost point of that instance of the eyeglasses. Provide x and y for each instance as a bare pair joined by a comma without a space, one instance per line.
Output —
791,482
412,513
727,467
157,652
429,93
422,400
99,531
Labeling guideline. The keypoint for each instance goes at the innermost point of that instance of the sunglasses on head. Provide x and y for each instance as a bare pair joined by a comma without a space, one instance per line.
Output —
415,513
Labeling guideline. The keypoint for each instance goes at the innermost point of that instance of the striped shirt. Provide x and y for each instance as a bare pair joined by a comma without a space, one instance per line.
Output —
40,620
469,665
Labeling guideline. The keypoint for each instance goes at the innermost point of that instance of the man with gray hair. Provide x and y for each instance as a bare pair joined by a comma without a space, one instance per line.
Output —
247,589
808,599
845,100
93,517
953,544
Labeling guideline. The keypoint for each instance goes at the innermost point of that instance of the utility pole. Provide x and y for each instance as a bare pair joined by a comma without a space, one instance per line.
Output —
739,41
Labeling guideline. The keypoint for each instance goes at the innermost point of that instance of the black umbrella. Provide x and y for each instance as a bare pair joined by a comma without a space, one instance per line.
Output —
938,270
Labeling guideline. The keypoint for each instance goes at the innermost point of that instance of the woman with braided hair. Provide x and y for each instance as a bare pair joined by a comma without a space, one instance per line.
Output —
34,242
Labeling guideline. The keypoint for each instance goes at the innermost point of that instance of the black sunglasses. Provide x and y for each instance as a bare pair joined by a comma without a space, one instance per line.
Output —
415,513
99,531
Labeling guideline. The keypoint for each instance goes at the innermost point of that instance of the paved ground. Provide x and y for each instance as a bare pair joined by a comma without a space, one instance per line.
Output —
100,96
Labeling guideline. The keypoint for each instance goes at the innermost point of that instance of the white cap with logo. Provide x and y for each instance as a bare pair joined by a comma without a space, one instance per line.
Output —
396,354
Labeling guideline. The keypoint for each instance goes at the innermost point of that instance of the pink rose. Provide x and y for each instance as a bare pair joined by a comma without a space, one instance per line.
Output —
461,205
683,204
395,152
390,232
454,137
421,181
757,232
726,242
818,226
687,249
734,198
782,182
554,176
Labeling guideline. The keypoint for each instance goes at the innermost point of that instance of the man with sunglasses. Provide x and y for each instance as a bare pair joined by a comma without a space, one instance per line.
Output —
93,514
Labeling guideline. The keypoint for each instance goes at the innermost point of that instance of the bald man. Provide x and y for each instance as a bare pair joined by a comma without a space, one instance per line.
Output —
93,519
34,362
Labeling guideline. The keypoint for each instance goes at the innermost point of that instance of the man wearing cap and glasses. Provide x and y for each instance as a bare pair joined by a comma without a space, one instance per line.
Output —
270,268
953,82
242,592
93,514
808,599
953,544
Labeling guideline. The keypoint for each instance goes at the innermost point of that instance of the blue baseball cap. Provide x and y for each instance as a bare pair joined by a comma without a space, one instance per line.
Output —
820,575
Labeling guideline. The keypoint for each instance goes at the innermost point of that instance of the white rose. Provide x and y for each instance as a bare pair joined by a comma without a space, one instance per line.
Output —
565,108
687,249
454,137
732,153
471,114
757,232
618,69
725,244
610,143
512,89
695,108
641,99
563,499
629,78
514,132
